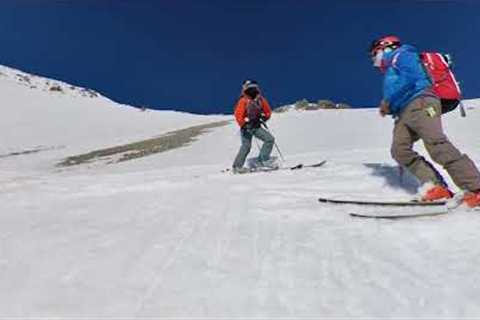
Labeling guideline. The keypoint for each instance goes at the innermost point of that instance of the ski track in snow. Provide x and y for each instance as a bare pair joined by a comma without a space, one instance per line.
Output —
277,253
170,236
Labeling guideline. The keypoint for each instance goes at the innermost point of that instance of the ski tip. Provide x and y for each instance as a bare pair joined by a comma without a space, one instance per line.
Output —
320,163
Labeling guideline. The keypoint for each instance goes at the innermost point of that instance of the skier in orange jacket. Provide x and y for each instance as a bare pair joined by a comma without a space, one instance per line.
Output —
250,111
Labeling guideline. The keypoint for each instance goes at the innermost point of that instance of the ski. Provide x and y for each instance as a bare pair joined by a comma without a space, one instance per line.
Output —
295,167
259,169
394,216
411,203
301,166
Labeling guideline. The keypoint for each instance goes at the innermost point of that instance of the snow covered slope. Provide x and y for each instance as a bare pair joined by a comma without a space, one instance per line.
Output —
70,120
169,235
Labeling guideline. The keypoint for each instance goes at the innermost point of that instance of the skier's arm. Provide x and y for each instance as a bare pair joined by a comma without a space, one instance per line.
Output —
267,110
240,112
401,78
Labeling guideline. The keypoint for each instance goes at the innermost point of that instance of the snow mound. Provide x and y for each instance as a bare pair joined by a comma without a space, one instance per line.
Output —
34,82
51,124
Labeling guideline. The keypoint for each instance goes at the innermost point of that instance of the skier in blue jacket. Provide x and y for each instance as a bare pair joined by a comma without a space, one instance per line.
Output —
408,97
405,78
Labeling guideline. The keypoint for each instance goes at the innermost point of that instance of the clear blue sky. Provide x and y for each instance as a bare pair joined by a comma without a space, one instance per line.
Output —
193,55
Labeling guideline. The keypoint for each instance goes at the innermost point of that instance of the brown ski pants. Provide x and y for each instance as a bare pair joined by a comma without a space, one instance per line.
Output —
421,119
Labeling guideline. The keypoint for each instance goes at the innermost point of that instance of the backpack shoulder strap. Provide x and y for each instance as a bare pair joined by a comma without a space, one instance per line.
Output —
395,59
396,56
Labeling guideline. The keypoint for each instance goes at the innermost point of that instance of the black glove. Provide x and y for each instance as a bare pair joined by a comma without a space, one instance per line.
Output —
383,108
247,125
263,118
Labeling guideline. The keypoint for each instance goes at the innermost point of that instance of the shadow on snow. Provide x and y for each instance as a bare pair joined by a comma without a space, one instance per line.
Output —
394,176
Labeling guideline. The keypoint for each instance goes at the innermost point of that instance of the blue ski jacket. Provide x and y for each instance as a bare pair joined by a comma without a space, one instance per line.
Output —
405,78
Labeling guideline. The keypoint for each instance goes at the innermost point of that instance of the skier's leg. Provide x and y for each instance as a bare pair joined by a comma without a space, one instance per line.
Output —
242,154
402,150
428,124
268,143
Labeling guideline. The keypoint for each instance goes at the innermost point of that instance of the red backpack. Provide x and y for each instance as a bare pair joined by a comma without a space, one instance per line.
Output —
444,84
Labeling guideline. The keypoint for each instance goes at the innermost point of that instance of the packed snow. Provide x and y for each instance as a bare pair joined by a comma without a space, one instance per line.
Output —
170,235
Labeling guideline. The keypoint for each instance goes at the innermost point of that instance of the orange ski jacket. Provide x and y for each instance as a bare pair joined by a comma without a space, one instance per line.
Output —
241,109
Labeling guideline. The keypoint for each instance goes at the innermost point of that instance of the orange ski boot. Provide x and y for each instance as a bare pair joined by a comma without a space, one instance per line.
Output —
437,193
472,199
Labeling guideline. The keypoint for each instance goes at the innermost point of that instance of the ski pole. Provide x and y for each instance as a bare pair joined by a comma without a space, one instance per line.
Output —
462,110
274,143
256,142
400,174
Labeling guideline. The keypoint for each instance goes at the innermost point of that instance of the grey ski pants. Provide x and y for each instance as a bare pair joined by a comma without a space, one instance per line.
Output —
247,136
421,119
